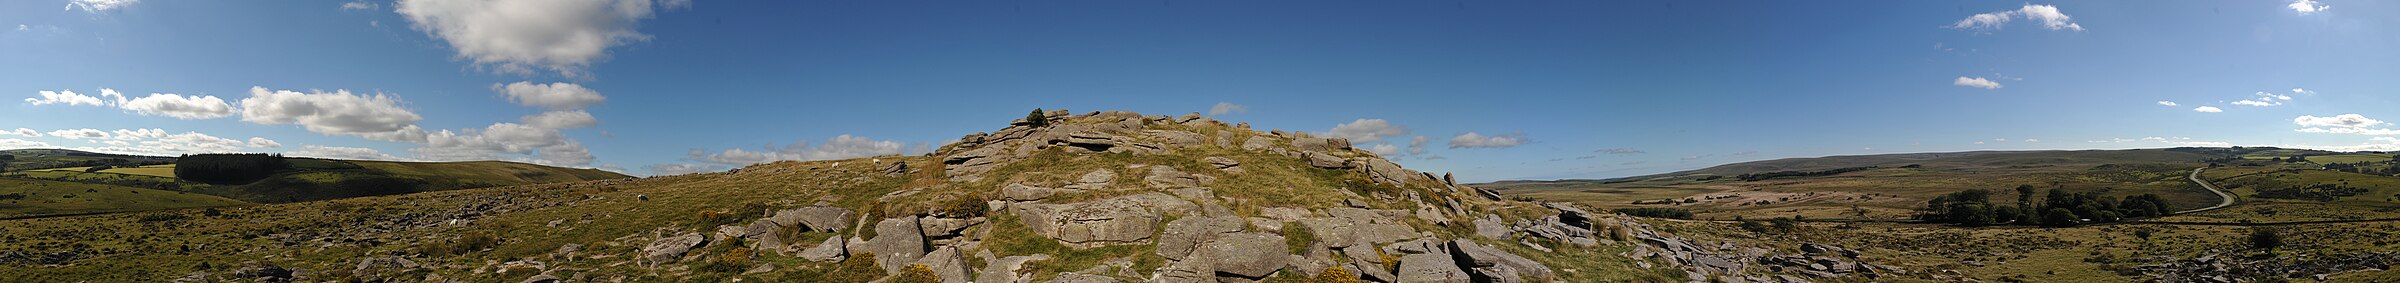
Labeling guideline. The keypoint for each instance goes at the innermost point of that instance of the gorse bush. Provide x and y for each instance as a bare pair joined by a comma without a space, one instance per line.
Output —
916,273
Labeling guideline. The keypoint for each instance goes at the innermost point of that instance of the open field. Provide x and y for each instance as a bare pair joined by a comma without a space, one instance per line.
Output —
1884,193
24,198
2350,158
161,170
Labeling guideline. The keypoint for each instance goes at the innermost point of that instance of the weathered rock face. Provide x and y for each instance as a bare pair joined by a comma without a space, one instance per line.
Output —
1185,235
898,242
1431,268
947,263
1492,265
1004,270
670,249
1247,255
1115,221
1354,226
1225,164
1321,144
831,250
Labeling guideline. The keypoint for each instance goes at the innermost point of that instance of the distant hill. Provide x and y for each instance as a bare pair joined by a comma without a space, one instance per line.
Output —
26,198
1970,159
306,179
35,159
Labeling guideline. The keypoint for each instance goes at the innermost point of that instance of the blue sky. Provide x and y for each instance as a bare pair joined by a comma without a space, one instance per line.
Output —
1548,89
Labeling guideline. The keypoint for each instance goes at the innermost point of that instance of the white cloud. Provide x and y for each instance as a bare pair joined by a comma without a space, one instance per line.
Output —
179,106
2208,109
545,145
2166,103
561,119
1384,149
157,104
359,5
2047,15
1223,108
1475,140
2256,103
68,97
23,132
555,96
336,152
2307,6
96,6
1367,130
139,134
2352,124
2033,140
1416,145
522,36
2344,120
192,142
2350,131
1976,82
1620,151
839,147
77,134
377,117
680,169
17,144
22,27
260,142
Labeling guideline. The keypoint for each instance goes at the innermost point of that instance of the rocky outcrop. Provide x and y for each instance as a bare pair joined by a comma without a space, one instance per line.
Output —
948,263
1223,164
898,242
1492,265
1185,235
830,250
670,249
1246,255
1004,270
1431,268
1115,221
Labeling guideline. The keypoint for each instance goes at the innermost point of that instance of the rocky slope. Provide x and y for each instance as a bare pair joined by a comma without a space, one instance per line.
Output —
1091,197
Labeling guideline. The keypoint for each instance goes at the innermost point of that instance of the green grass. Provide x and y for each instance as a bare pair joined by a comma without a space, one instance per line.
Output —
161,170
56,198
2350,158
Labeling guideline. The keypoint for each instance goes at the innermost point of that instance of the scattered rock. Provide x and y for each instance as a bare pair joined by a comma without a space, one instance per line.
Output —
1185,235
947,263
1226,164
1004,270
829,251
670,249
1494,265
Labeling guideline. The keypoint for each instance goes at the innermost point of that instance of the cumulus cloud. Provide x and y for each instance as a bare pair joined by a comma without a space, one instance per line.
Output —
17,144
96,6
359,5
2307,6
1975,82
1416,145
839,147
2268,99
561,119
23,132
1384,149
2352,124
2048,16
1223,108
377,117
77,134
1367,130
545,145
68,97
1476,140
555,96
523,36
336,152
157,104
260,142
179,106
139,134
2166,103
680,169
2344,120
2207,109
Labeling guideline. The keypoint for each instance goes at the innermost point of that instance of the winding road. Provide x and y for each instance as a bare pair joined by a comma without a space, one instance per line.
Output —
2228,198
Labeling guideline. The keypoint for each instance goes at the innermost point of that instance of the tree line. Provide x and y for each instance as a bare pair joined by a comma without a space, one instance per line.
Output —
2058,208
229,168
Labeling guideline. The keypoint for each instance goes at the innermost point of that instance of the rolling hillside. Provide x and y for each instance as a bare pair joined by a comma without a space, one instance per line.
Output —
306,179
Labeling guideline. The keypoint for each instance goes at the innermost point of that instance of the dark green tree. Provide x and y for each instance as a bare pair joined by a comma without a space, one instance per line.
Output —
1037,118
2059,217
